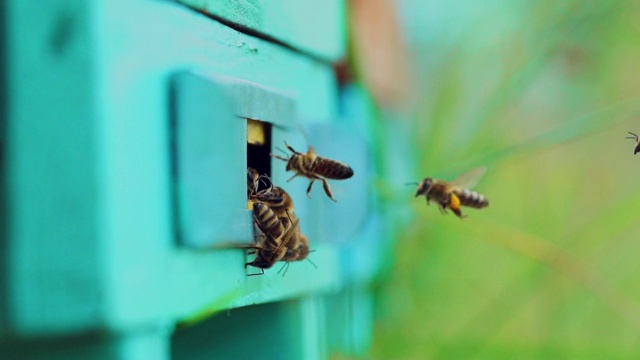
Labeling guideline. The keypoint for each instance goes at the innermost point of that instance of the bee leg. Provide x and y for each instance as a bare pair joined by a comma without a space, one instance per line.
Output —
253,264
309,188
261,273
284,267
454,205
312,263
458,213
327,189
291,178
426,195
278,157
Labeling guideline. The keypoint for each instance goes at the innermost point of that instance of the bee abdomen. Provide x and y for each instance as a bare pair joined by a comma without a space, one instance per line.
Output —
267,220
332,169
472,199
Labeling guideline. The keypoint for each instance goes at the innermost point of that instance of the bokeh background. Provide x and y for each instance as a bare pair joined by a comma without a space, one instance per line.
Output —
542,93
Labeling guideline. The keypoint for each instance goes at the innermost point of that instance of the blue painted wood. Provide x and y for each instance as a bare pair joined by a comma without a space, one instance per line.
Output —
141,344
284,330
91,237
256,101
210,154
317,27
54,231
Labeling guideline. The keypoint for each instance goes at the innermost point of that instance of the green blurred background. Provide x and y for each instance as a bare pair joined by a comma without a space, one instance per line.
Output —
542,93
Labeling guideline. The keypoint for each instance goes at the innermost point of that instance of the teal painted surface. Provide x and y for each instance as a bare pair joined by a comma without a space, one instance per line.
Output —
92,247
135,77
317,27
284,330
145,344
211,281
209,149
52,172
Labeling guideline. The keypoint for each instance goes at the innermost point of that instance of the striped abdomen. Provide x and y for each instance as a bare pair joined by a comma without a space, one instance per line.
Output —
267,220
471,198
331,169
313,166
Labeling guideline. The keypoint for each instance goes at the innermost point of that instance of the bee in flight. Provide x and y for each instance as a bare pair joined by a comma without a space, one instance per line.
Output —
635,137
315,167
455,193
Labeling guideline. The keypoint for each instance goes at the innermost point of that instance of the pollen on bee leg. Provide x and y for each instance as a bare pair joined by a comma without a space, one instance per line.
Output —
454,202
454,205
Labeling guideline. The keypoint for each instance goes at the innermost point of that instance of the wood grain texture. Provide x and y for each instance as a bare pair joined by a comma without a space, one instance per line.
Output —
313,26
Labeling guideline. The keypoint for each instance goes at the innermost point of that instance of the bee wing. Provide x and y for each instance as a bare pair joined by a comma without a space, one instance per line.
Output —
469,179
285,238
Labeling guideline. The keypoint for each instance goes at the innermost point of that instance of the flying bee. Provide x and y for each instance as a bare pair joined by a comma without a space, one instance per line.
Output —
455,193
315,167
635,137
276,232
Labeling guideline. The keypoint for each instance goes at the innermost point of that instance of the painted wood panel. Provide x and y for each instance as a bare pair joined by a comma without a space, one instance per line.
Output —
317,27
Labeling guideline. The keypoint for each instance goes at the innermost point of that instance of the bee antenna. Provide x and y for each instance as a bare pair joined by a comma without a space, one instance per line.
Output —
311,262
285,265
411,183
284,152
634,136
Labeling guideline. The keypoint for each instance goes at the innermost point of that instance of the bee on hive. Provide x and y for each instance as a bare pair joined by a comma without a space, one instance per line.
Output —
253,178
275,236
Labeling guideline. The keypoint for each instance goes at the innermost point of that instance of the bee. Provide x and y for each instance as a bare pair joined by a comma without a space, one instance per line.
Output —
265,258
635,137
253,178
298,248
253,181
276,234
277,199
455,193
315,167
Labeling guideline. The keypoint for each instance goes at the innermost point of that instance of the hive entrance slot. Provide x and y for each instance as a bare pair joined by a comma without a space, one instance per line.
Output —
259,147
